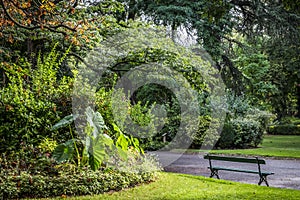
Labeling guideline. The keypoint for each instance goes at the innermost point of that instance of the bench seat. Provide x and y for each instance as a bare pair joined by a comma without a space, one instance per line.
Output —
241,170
215,169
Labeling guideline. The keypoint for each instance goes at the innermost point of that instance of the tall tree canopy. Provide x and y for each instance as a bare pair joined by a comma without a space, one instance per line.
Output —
271,27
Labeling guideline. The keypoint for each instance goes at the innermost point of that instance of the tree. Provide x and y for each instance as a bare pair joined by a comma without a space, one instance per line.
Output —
258,79
277,22
29,26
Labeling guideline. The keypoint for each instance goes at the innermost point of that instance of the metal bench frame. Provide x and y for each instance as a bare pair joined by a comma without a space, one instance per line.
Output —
215,170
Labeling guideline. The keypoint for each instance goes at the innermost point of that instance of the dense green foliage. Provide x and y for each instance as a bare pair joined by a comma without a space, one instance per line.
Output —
215,24
286,129
240,133
245,124
270,30
32,101
286,126
70,182
99,149
41,154
171,61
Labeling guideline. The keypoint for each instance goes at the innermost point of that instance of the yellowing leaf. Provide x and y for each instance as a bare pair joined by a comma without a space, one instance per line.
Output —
10,39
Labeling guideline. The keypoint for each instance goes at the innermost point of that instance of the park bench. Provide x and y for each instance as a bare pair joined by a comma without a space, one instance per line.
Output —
215,169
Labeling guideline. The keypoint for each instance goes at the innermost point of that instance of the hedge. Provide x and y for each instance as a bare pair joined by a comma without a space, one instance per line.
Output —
86,182
285,129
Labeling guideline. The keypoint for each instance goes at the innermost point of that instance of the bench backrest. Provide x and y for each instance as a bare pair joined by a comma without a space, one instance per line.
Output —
235,159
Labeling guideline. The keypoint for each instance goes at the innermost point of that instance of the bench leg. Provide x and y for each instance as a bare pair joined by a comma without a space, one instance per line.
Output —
214,173
263,179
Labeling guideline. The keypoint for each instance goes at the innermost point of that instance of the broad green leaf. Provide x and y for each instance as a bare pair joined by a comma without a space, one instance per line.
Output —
97,154
64,122
96,121
122,142
107,140
88,142
94,162
64,152
116,128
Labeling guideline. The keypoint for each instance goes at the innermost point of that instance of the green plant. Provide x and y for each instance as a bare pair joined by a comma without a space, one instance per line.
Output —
98,147
47,145
207,133
32,101
33,160
286,126
263,117
69,182
289,120
227,137
284,129
186,64
241,133
244,125
137,120
136,163
65,150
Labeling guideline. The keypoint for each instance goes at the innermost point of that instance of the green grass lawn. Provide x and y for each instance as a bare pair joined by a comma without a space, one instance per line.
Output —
178,186
272,146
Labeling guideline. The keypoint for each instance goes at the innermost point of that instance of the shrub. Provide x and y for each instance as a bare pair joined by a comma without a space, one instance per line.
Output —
85,182
154,145
34,160
241,133
207,133
68,179
32,101
261,116
290,120
245,124
136,120
285,129
98,146
137,163
286,126
227,137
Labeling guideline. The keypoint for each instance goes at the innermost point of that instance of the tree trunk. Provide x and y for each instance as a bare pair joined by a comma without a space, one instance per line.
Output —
298,101
173,31
131,10
282,110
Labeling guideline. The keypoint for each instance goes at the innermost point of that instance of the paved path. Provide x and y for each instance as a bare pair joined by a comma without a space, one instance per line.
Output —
287,172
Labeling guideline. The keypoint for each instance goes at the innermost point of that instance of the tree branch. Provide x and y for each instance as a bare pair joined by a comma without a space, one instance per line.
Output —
51,28
13,20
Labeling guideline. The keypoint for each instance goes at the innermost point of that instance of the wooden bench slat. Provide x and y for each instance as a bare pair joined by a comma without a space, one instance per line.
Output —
235,159
241,170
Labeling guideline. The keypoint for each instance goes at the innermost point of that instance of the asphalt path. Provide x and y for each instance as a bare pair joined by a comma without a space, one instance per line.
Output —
287,171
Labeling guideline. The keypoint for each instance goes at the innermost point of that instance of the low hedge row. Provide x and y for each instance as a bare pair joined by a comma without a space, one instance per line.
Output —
285,129
77,183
